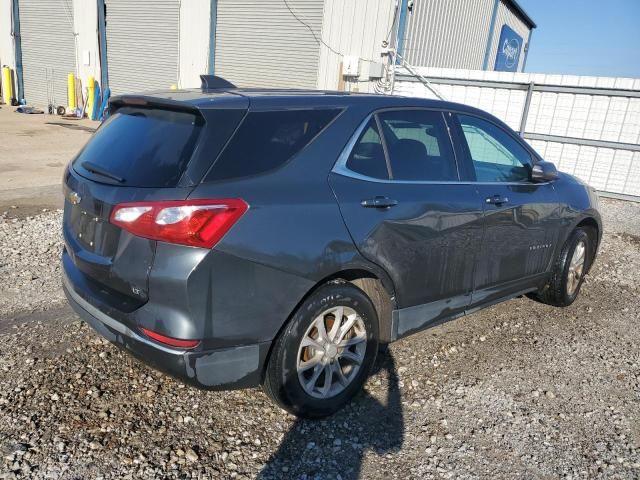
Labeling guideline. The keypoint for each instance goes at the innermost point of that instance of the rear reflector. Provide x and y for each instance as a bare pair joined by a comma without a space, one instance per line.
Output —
196,223
170,342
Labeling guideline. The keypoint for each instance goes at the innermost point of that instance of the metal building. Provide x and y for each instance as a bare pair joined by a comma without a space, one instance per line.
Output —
143,45
469,34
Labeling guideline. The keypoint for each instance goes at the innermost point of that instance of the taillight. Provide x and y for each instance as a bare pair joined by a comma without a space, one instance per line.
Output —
196,223
170,341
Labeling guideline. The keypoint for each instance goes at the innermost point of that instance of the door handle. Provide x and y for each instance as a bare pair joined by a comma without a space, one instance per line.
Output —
497,200
379,202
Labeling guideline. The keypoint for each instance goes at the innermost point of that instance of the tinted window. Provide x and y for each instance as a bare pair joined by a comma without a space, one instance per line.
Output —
496,155
145,147
266,140
419,146
367,156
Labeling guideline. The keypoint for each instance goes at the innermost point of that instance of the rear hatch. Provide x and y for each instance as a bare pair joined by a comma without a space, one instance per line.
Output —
146,151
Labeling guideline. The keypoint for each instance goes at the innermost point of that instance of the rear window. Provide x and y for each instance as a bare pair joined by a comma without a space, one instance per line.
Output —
142,147
266,140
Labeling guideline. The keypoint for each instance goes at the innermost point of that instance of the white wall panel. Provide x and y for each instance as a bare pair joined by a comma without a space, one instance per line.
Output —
195,31
7,55
611,118
85,21
353,27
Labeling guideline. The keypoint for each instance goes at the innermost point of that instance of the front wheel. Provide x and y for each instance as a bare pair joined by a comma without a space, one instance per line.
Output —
569,271
326,352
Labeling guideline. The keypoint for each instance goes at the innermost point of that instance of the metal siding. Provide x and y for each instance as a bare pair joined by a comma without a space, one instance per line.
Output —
574,121
47,34
507,16
448,34
355,27
143,40
260,43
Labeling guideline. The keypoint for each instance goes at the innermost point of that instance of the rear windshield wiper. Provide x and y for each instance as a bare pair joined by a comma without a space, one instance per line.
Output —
93,168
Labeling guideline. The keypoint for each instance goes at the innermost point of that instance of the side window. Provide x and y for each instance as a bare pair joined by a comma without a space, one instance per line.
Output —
266,140
367,156
419,146
496,155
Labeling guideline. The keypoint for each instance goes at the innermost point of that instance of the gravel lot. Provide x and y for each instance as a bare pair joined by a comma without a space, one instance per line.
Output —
518,390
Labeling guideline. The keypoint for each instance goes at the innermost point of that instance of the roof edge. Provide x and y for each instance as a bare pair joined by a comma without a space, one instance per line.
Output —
520,11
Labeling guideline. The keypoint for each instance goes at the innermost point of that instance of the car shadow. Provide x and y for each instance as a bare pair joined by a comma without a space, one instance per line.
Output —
335,447
73,126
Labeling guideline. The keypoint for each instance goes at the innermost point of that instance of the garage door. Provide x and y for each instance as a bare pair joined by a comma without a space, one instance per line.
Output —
48,50
142,44
261,43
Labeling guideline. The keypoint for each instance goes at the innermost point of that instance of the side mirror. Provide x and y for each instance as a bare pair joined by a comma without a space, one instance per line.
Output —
544,172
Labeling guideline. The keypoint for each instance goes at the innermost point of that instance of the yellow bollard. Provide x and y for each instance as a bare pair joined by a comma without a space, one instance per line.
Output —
7,88
174,87
91,93
71,92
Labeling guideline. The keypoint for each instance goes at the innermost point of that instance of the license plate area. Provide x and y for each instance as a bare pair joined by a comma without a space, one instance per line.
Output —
93,233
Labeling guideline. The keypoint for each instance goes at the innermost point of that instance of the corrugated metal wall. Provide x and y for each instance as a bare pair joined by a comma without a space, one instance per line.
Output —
448,33
570,118
506,16
142,44
48,50
354,27
261,43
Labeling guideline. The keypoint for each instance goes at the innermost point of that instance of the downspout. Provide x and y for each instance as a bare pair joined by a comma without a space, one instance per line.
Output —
213,18
492,28
102,46
526,52
17,45
402,25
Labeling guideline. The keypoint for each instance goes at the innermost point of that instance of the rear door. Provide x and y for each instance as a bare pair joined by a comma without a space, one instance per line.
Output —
521,221
398,188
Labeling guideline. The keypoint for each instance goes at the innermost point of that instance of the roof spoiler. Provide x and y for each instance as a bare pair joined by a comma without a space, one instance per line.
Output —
213,81
120,101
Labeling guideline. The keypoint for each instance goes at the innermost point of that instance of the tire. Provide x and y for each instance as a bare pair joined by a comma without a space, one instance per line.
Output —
563,287
283,381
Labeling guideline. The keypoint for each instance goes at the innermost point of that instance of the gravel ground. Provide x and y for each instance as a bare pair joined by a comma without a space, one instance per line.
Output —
518,390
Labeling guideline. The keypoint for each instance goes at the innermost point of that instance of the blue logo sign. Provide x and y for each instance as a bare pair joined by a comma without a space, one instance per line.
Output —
509,48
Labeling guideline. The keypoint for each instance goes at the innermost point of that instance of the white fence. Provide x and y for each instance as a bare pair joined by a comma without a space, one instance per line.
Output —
587,126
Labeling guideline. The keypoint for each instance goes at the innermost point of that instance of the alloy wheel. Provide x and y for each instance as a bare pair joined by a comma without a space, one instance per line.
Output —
576,267
331,352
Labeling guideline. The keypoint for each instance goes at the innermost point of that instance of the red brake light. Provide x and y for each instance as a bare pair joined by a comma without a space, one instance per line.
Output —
169,341
196,223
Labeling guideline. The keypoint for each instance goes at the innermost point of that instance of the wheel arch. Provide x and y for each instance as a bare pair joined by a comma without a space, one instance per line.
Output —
374,283
593,227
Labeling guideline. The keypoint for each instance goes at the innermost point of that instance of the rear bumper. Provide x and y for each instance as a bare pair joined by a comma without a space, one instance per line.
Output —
220,369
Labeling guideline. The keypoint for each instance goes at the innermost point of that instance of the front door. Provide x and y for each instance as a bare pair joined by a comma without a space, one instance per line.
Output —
521,221
398,188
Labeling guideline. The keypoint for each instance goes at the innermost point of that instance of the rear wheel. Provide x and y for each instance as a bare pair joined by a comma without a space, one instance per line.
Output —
569,271
325,354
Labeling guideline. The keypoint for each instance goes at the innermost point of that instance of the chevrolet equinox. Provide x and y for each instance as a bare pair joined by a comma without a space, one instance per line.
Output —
236,237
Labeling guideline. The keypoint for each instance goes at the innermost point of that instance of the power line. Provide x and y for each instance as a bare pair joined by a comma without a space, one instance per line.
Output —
318,39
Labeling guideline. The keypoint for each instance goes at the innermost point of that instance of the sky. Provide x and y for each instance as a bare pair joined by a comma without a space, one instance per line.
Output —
585,37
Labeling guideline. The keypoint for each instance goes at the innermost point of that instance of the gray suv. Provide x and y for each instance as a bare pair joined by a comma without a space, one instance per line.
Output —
235,237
